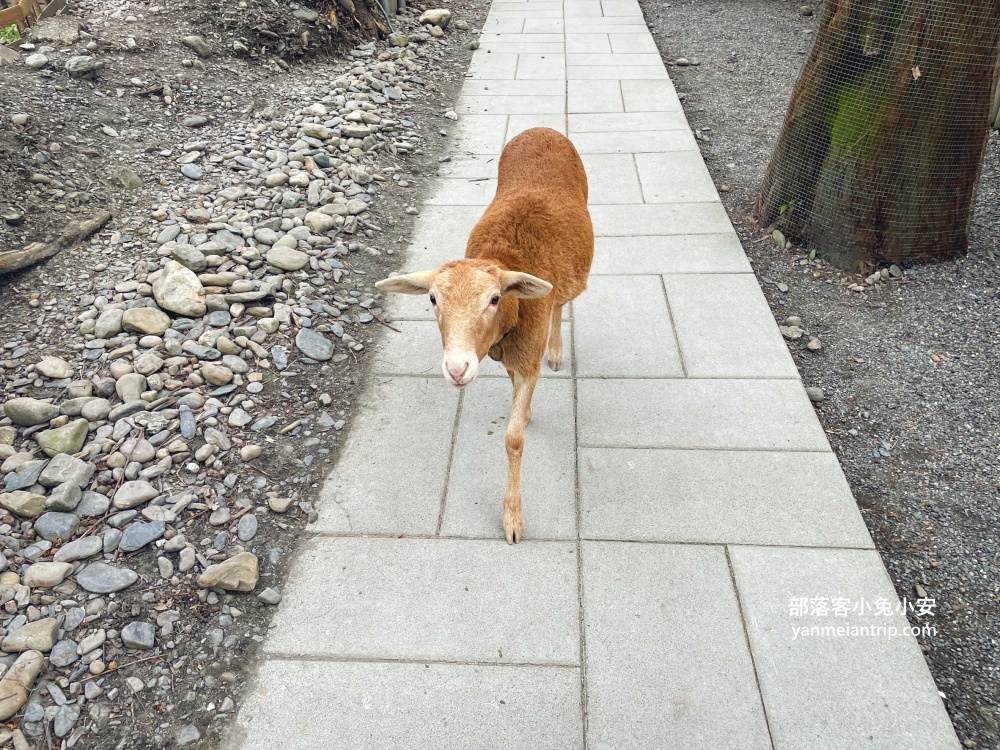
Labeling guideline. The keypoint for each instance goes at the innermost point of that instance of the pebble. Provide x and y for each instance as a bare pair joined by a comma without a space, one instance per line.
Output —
238,573
101,578
815,394
139,635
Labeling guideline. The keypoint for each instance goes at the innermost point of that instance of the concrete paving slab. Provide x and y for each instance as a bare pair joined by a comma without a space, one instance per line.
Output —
611,179
705,414
725,328
542,26
478,478
463,192
618,122
650,96
640,42
718,497
613,59
411,420
521,89
541,67
584,9
675,177
623,330
519,123
591,44
594,96
697,253
480,134
615,72
431,600
644,220
619,8
494,65
634,142
827,692
413,706
509,105
667,661
440,234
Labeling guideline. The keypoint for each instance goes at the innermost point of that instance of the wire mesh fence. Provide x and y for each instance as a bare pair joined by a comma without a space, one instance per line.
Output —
885,131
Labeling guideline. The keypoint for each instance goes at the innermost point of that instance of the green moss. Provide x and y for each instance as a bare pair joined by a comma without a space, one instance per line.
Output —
854,115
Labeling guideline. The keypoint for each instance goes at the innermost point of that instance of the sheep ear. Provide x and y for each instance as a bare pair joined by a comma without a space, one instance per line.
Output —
523,285
411,283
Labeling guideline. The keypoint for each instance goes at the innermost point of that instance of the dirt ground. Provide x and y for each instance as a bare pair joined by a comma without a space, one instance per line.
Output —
908,367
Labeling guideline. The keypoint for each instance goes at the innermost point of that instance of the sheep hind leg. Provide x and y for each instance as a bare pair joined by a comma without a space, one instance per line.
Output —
520,414
555,339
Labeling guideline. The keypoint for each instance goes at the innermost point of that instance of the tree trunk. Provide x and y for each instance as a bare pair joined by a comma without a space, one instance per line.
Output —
884,138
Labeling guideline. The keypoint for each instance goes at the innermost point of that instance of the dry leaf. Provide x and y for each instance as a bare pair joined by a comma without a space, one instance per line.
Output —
916,72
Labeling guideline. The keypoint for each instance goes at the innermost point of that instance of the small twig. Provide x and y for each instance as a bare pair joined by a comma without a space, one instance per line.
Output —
387,325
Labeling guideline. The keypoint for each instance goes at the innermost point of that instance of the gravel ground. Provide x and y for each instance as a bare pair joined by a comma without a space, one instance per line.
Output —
176,387
908,366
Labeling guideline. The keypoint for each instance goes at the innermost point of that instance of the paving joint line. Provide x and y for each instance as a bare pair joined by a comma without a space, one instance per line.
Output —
451,459
354,659
746,641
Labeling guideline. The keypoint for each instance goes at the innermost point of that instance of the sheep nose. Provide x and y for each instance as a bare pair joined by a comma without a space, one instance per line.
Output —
456,374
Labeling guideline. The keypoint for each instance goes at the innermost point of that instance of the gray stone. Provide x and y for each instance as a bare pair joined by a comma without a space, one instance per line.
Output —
187,735
80,65
93,504
101,578
134,493
109,324
246,529
314,345
65,468
53,526
138,535
130,387
139,635
64,498
286,258
65,719
192,171
187,256
79,549
96,409
25,476
436,17
270,596
199,45
63,654
54,368
28,412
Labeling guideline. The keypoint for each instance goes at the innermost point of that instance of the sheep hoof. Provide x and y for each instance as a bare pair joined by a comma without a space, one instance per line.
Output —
555,362
513,529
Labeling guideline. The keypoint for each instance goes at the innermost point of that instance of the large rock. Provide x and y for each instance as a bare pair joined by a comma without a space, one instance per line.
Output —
79,549
286,258
238,573
64,468
54,525
66,439
109,324
28,412
80,65
45,575
62,31
25,504
319,222
436,17
134,493
17,681
314,345
146,320
54,368
39,635
101,578
178,290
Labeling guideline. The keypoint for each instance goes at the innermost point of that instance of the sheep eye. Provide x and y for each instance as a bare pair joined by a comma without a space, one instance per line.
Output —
495,300
433,300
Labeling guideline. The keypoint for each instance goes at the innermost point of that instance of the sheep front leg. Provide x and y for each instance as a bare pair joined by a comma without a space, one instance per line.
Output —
520,415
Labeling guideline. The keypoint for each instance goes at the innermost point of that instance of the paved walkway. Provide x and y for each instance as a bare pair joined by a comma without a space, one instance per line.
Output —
679,492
